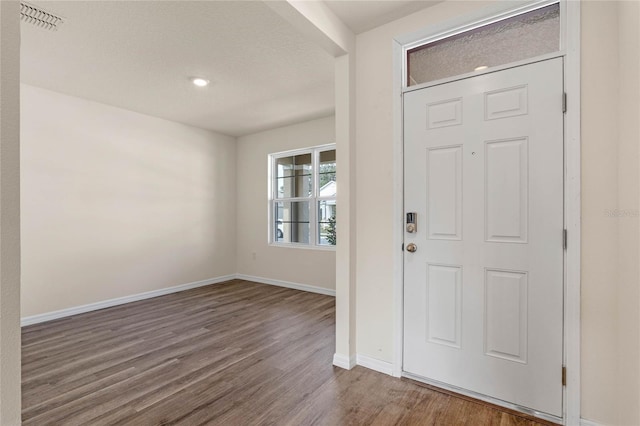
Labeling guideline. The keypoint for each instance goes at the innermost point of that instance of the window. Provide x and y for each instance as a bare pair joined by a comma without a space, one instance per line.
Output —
302,197
520,37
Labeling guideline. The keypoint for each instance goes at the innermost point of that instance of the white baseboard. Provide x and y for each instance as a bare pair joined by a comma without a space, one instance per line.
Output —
48,316
585,422
287,284
375,364
343,361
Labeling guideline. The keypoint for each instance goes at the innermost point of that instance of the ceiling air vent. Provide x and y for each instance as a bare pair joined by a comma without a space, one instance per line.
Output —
39,17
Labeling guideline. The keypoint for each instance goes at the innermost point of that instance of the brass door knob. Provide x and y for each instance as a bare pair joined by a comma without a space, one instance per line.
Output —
411,248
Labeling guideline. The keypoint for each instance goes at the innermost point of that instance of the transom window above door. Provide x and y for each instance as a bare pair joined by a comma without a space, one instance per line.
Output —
302,198
516,38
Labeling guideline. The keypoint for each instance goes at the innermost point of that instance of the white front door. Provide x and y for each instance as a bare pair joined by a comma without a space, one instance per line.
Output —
483,292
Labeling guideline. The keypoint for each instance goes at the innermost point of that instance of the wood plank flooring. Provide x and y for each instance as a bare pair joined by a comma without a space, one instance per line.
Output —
237,353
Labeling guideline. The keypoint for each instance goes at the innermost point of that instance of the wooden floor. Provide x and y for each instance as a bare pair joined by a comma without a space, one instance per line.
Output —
237,353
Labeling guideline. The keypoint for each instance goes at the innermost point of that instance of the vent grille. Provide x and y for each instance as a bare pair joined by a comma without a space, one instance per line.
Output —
39,17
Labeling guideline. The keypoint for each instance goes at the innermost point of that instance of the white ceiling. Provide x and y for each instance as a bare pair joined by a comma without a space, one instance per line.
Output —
139,55
363,15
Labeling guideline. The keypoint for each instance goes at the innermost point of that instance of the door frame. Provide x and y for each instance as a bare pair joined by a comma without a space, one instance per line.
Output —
570,50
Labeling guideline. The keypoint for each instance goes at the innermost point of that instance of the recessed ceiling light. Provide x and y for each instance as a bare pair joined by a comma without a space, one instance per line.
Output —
480,68
199,81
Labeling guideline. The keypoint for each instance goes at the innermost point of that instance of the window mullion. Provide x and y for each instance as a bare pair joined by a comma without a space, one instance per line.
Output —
294,199
273,195
314,209
312,224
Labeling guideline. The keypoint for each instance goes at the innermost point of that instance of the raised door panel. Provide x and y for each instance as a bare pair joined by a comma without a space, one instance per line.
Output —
505,311
444,304
444,113
444,193
506,190
505,103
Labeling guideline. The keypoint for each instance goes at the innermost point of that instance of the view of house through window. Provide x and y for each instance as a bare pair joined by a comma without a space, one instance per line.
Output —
302,199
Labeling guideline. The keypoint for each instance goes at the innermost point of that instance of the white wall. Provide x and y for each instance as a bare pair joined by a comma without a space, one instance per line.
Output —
610,215
346,256
116,203
9,213
628,201
255,257
600,236
610,285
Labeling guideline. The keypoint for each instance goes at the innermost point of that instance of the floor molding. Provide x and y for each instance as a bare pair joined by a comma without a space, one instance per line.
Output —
48,316
344,361
585,422
287,284
375,364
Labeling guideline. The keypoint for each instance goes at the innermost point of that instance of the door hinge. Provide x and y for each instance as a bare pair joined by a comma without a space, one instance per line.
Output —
564,102
402,246
564,376
564,239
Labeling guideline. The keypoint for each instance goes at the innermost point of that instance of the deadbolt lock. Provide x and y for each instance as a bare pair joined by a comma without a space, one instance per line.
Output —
412,222
411,248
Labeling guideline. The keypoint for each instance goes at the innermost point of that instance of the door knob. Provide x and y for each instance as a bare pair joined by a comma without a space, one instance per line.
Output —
411,248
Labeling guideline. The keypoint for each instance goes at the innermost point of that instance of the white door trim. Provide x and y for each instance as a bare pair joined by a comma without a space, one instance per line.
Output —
570,47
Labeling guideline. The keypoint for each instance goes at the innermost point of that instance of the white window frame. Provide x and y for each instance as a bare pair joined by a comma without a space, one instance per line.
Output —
313,200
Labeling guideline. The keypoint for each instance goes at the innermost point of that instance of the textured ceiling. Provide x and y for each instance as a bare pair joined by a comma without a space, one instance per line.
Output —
139,55
363,15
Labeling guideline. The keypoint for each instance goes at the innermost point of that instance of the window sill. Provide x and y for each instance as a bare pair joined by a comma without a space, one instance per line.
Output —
303,246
